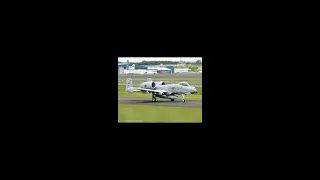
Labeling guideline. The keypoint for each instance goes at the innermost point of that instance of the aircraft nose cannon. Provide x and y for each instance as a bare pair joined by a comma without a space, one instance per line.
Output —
194,91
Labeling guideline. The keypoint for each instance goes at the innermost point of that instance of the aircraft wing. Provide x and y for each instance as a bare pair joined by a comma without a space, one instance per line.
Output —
150,90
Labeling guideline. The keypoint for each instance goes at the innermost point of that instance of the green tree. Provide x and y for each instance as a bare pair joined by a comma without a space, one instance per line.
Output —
194,68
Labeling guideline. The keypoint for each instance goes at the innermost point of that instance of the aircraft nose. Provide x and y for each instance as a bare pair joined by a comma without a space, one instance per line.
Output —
195,90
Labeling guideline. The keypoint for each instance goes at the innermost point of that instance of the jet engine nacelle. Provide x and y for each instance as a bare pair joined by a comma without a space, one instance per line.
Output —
159,83
148,85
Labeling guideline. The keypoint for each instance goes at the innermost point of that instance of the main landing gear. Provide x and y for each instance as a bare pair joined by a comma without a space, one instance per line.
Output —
154,99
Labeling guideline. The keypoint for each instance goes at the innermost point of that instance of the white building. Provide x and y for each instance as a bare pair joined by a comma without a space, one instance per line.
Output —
182,70
160,69
151,72
121,70
139,71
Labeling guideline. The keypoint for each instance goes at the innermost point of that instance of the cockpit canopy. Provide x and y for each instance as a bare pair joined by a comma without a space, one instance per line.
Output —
184,84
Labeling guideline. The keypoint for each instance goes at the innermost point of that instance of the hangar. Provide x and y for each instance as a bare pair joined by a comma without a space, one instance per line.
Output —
160,69
127,65
125,68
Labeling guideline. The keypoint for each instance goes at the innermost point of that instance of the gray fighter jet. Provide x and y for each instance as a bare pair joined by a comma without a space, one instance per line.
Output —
161,90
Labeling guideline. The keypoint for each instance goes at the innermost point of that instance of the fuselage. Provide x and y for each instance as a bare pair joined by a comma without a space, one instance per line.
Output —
172,89
162,90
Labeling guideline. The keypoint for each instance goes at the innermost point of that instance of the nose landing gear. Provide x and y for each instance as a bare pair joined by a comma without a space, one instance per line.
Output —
183,98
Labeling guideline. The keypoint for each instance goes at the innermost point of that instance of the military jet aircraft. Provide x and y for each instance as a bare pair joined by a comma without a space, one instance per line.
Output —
161,90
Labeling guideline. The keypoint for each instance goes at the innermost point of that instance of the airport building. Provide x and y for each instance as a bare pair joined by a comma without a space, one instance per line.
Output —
160,70
127,65
169,67
182,70
131,68
121,70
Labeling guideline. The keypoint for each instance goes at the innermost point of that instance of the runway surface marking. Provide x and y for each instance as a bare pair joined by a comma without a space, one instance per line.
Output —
160,102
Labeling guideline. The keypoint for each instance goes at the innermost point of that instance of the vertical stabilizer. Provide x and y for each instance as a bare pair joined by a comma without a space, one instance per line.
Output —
129,84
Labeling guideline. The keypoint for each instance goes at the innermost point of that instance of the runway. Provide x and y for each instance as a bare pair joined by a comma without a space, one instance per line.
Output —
160,102
123,84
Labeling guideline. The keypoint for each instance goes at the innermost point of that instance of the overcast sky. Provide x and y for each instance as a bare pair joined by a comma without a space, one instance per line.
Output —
139,59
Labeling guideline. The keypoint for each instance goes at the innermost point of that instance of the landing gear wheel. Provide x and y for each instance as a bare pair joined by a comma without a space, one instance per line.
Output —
153,98
183,100
172,99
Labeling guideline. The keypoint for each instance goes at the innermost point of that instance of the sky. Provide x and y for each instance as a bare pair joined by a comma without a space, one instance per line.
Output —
140,59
